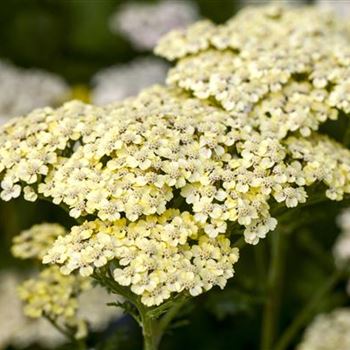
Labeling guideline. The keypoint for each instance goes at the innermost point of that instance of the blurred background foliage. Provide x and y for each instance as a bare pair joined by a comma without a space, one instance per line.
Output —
73,39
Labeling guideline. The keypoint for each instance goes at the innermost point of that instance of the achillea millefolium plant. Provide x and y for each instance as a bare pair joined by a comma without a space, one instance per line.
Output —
166,187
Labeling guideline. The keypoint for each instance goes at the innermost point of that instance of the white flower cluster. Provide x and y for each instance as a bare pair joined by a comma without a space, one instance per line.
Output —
268,62
246,140
125,80
157,256
143,24
20,331
328,332
22,90
131,158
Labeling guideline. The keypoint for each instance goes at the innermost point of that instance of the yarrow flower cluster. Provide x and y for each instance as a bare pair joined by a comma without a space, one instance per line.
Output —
328,332
54,296
21,331
125,80
143,24
266,62
157,256
164,178
71,302
131,158
22,90
59,298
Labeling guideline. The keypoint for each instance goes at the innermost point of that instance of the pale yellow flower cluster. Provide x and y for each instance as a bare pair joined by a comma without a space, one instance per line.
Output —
133,157
241,138
70,302
328,332
20,331
35,242
54,296
157,256
279,69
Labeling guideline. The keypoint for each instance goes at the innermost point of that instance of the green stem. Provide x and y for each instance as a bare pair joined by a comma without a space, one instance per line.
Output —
272,305
152,334
307,312
153,325
153,329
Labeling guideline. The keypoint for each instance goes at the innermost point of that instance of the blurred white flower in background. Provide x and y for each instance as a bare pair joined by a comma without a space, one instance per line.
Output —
340,7
22,90
121,81
94,308
341,249
277,2
20,331
11,317
328,332
38,331
143,24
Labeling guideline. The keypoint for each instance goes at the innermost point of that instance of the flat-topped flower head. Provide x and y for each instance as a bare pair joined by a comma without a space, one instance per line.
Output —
131,159
163,179
157,257
280,69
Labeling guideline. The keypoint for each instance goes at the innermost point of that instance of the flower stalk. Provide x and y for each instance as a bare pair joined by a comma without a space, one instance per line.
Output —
152,334
274,289
154,321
